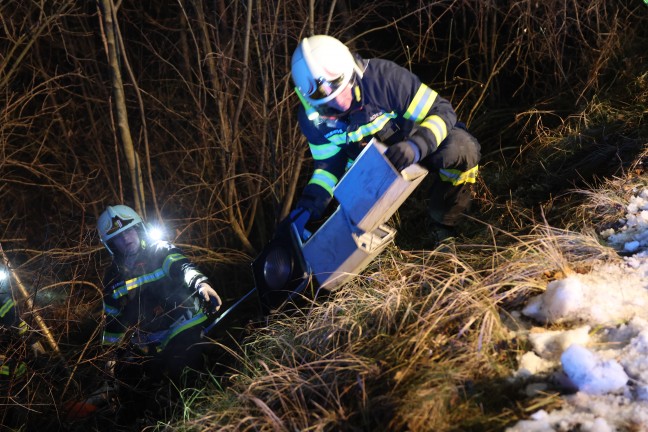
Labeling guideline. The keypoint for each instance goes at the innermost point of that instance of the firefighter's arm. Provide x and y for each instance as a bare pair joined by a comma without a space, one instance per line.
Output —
418,103
435,122
114,332
318,193
195,280
114,329
183,271
329,165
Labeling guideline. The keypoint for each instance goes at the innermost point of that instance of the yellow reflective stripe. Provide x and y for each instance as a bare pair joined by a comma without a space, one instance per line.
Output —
324,179
343,137
457,177
371,128
437,126
111,338
6,307
421,104
21,369
323,151
22,327
194,321
131,284
137,282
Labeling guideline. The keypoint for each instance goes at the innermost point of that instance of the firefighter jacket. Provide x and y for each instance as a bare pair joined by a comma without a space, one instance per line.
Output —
391,104
154,301
13,331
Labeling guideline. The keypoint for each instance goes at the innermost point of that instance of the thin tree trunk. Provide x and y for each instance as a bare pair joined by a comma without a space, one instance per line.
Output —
120,107
140,102
30,304
228,159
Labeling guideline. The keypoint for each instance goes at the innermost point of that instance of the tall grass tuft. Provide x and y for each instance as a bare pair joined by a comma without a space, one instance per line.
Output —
419,341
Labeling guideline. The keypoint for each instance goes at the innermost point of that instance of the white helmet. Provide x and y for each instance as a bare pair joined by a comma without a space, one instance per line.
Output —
322,66
115,220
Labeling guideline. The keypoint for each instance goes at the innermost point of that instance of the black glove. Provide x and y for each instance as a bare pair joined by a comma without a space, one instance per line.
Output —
403,154
299,217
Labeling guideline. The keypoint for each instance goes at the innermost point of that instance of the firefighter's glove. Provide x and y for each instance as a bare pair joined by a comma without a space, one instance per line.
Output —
403,154
299,217
211,301
109,368
37,349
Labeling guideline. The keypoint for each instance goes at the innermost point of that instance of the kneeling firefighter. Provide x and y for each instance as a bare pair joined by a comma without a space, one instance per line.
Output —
348,100
152,295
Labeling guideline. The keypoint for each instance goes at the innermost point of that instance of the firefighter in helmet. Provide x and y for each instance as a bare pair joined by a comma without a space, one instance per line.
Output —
347,101
19,350
13,330
152,295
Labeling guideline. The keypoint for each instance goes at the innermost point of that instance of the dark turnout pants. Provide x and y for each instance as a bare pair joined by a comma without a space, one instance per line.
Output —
140,375
454,165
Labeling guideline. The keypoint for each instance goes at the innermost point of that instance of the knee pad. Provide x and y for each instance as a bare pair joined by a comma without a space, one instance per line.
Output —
459,151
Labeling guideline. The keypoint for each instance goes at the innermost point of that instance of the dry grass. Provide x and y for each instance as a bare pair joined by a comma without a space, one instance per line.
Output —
415,343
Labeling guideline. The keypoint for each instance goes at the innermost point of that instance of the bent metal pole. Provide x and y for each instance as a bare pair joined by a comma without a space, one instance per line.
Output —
25,294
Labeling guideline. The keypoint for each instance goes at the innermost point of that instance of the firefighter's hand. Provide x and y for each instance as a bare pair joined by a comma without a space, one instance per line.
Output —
403,154
211,299
37,349
299,217
109,368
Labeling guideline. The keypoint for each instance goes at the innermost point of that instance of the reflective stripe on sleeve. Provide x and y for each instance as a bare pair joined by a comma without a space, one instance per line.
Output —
20,369
22,328
324,179
421,104
371,128
110,310
323,151
6,307
437,126
137,282
111,338
344,137
123,288
169,260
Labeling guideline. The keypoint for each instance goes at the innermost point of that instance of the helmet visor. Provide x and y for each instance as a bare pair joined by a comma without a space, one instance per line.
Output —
330,108
325,88
118,225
